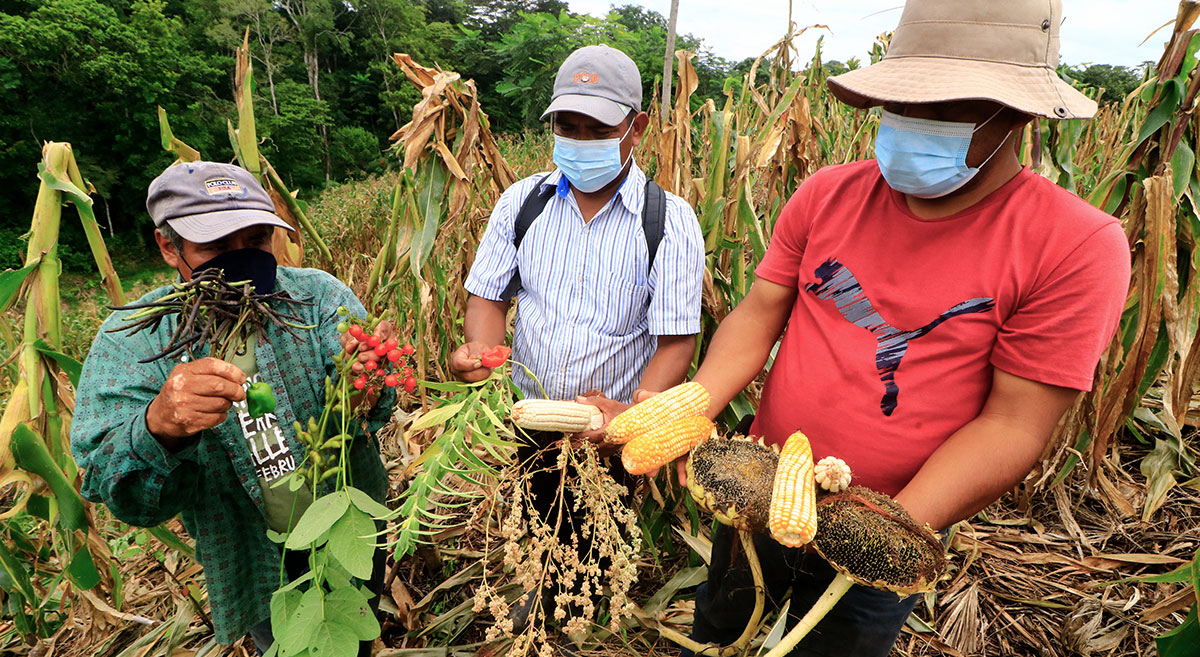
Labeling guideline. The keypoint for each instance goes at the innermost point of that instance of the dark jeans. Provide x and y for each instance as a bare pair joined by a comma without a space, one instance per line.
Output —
864,623
296,564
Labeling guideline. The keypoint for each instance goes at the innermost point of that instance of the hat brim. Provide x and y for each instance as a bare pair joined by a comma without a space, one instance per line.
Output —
210,226
1035,90
608,112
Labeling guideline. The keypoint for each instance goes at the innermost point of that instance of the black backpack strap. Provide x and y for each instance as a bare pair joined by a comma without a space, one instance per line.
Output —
654,219
530,210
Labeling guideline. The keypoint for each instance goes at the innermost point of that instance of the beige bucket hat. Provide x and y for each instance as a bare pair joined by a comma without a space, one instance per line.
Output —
944,50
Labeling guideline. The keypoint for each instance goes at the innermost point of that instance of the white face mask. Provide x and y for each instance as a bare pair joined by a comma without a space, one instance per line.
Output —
926,158
590,164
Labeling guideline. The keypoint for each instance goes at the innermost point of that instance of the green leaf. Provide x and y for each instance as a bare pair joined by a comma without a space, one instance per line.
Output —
283,605
352,542
169,539
1188,572
1183,162
367,505
72,367
348,607
1163,113
82,571
295,635
16,572
10,283
685,578
330,639
437,416
317,519
1183,641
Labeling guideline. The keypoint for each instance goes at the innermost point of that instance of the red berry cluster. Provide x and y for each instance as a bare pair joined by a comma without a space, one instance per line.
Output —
394,367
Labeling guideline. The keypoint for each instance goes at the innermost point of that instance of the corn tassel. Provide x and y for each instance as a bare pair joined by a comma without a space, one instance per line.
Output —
654,449
684,400
793,518
550,415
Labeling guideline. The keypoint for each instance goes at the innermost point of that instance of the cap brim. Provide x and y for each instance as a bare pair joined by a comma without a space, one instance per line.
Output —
1035,90
201,228
606,111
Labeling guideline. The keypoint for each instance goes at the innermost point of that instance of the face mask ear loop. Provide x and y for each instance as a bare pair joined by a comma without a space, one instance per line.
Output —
1002,141
626,160
989,120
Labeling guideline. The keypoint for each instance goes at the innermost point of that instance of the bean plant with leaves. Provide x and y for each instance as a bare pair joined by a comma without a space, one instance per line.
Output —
326,611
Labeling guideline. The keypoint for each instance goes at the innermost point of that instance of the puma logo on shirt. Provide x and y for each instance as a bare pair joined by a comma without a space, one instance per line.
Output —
838,284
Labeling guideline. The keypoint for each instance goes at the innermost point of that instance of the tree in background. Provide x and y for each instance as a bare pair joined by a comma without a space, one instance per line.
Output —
1116,81
93,72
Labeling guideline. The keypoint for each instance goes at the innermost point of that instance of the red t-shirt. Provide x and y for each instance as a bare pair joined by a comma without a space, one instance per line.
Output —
898,321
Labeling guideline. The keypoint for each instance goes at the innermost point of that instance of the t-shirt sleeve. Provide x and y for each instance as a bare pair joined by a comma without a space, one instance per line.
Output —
1057,335
496,257
781,263
677,277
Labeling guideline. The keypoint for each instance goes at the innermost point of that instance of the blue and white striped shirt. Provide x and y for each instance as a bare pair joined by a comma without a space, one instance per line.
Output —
588,310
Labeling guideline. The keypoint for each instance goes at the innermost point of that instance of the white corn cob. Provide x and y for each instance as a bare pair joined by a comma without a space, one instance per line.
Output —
832,474
550,415
793,516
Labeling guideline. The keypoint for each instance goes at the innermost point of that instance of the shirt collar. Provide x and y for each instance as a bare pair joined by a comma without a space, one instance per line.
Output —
632,192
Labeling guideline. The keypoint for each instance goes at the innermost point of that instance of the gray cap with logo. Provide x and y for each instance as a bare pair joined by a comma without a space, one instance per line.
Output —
205,201
598,81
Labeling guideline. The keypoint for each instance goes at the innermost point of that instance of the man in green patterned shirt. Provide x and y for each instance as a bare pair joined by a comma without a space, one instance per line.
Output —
159,439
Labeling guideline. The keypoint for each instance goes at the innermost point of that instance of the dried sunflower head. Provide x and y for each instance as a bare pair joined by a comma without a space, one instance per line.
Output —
732,479
871,539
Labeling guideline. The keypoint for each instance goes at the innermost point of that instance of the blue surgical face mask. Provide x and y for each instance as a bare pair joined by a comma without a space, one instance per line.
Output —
926,158
590,164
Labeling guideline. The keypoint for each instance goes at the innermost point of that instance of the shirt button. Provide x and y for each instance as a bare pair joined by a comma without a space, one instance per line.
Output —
581,278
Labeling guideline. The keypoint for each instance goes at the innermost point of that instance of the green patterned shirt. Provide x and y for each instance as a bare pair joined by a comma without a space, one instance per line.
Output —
211,484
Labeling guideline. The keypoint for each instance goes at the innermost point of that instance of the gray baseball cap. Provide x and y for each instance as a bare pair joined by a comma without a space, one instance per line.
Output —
205,201
598,81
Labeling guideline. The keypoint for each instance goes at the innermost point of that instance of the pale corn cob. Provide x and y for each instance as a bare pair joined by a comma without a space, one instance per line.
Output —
550,415
652,450
684,400
793,517
832,474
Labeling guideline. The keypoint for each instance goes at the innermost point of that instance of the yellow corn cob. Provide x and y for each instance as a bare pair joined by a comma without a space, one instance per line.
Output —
793,518
652,450
684,400
550,415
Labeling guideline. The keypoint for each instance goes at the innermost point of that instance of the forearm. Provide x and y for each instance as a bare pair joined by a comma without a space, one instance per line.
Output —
739,349
952,485
670,363
989,455
485,321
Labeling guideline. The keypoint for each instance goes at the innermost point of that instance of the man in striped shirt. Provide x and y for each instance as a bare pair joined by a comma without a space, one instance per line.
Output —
592,313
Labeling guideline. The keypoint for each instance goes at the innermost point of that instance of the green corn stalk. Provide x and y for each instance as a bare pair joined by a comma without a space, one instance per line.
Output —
38,411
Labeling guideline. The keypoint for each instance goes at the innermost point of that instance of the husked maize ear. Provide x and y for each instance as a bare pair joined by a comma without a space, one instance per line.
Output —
654,449
793,517
550,415
684,400
832,474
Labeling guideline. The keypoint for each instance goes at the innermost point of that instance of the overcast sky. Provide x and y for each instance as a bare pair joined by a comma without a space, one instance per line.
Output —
1095,31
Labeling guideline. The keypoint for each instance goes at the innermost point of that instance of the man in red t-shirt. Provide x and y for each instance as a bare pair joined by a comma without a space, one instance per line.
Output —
943,305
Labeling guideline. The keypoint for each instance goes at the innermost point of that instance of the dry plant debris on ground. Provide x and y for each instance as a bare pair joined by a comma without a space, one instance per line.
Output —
1049,580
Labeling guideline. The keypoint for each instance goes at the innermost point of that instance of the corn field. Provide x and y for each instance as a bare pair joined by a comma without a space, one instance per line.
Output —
1094,553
